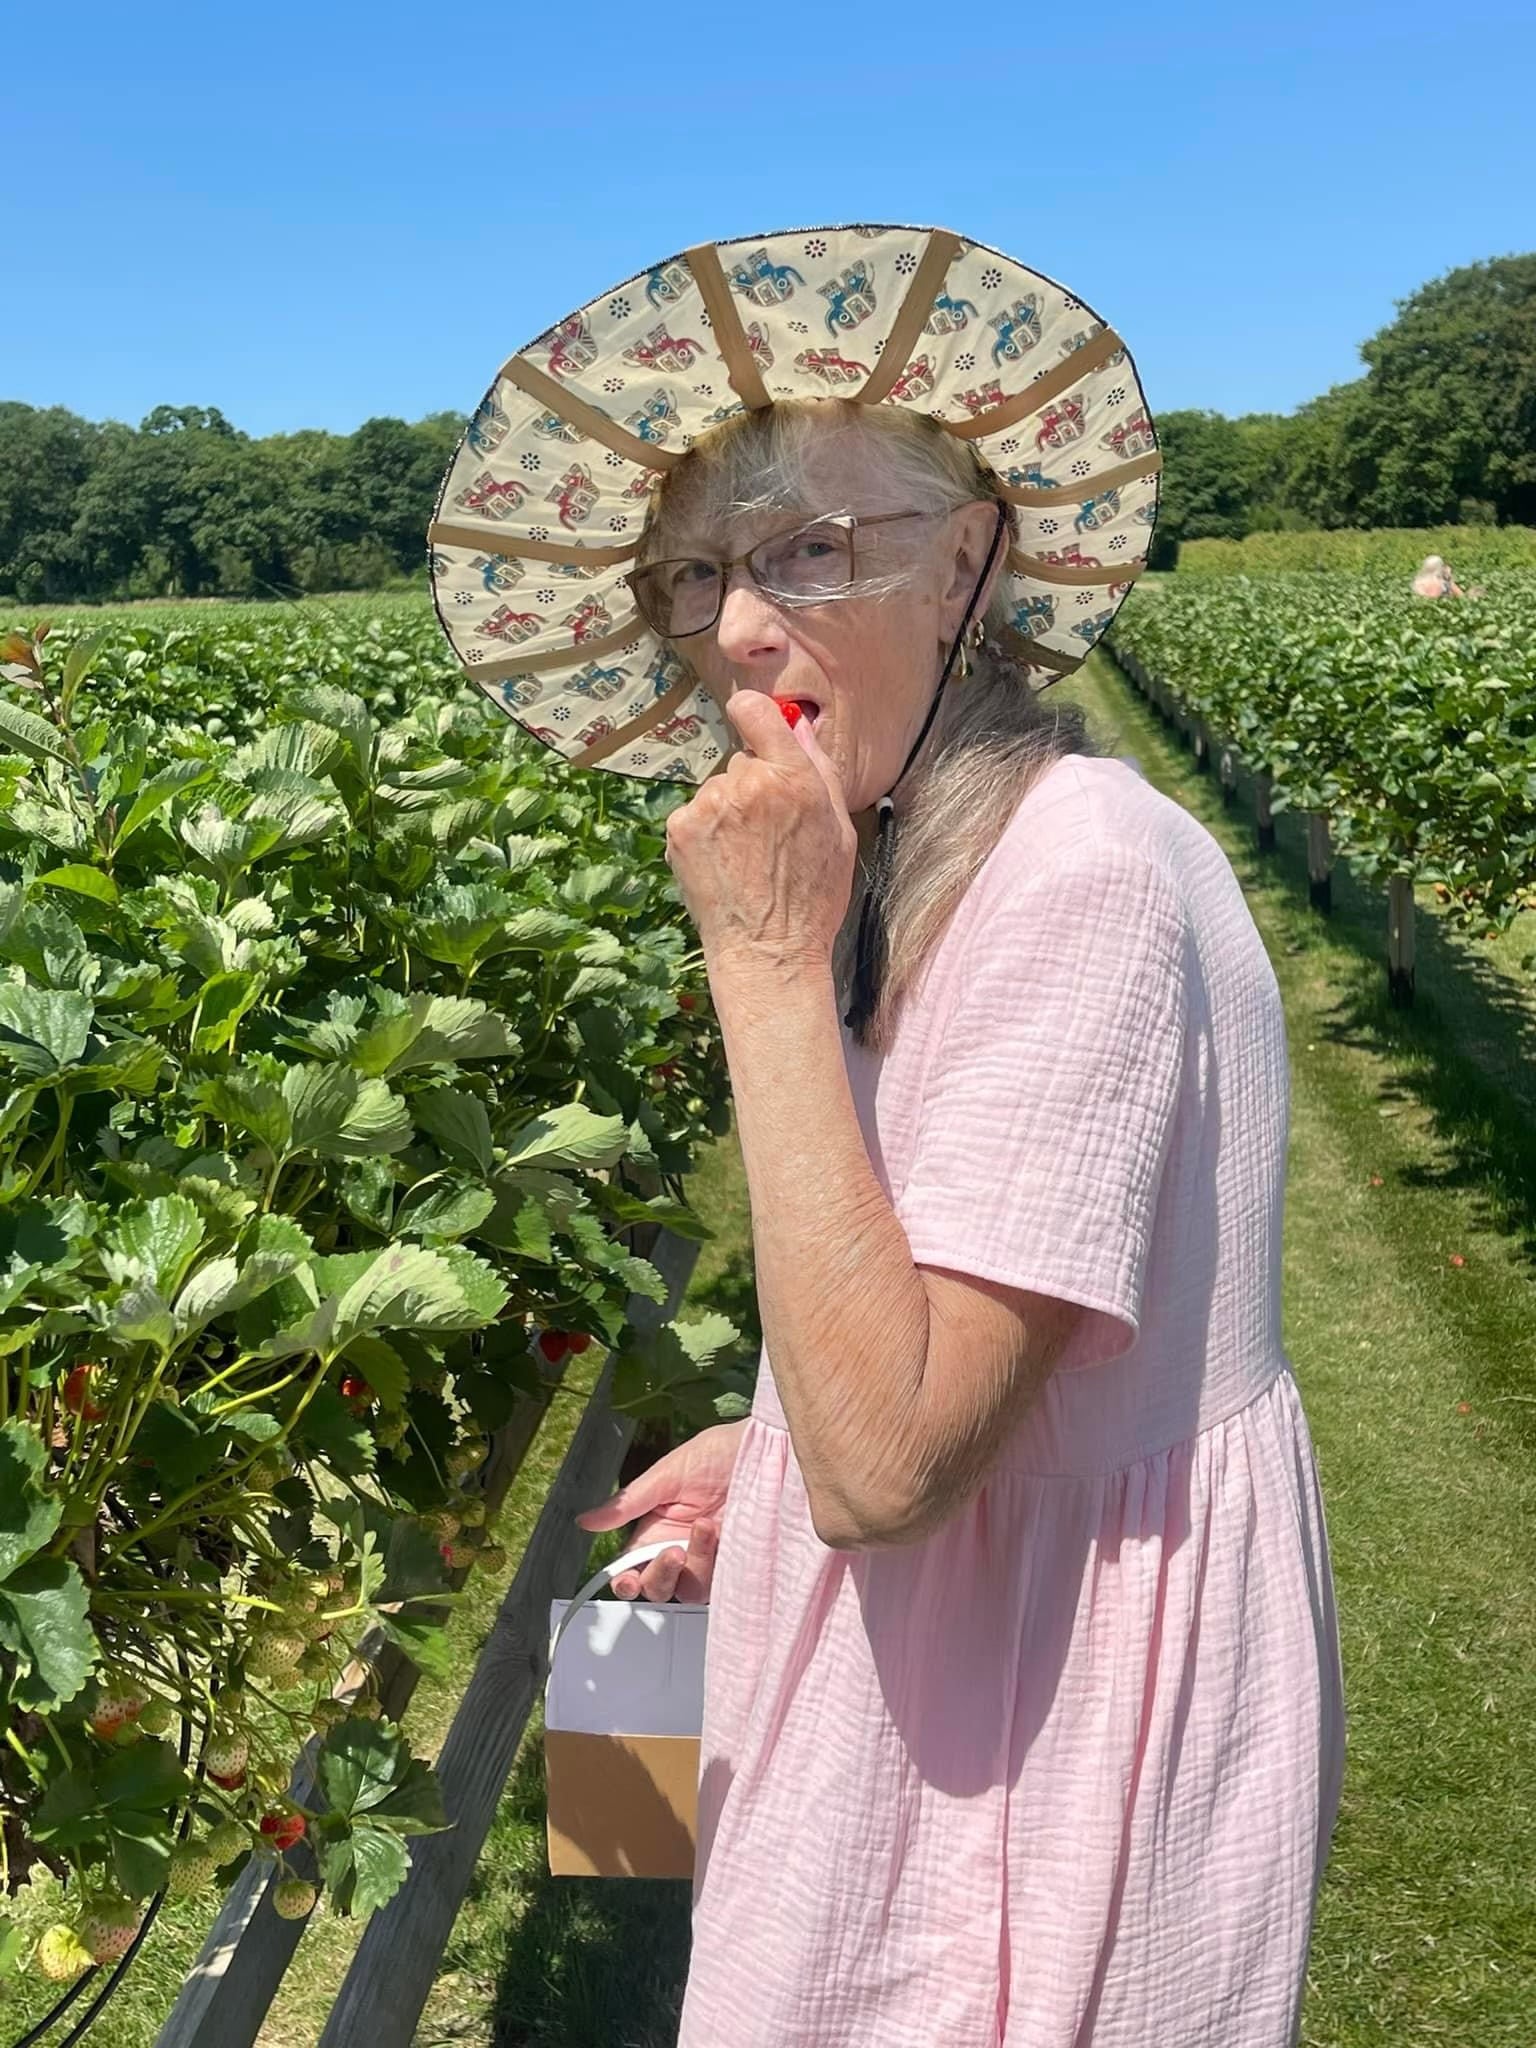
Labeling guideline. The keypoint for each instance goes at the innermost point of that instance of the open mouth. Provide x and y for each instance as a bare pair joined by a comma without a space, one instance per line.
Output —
796,708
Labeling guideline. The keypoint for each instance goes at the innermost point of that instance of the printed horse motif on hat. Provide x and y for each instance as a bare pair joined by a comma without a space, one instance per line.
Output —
510,626
850,298
828,367
987,399
488,427
1131,438
655,419
668,283
571,347
1035,617
496,497
755,334
598,683
1029,477
552,428
1070,557
766,283
1061,424
950,315
915,381
498,572
659,351
590,618
1017,330
574,496
1098,512
1090,629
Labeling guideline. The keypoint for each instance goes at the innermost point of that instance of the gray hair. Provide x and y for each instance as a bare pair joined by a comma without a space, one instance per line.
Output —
991,738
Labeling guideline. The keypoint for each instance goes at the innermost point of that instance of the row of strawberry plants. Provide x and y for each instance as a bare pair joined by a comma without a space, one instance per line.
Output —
325,1061
1409,725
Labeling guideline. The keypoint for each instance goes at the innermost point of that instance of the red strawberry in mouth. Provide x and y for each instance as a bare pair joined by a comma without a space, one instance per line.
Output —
796,708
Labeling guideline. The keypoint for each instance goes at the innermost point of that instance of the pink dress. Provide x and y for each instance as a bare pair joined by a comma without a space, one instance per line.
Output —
1064,1774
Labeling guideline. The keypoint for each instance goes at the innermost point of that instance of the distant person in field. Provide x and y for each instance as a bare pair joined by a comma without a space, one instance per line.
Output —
1434,579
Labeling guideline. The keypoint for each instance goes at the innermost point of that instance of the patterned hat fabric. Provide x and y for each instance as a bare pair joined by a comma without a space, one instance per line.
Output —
541,510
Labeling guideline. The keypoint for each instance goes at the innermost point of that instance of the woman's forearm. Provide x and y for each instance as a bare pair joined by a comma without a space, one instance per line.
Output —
844,1309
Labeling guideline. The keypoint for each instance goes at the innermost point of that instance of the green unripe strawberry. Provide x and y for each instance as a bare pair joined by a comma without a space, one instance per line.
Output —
262,1474
314,1663
466,1458
294,1899
442,1526
328,1714
472,1514
157,1717
230,1704
108,1929
62,1955
368,1707
493,1558
390,1430
193,1868
274,1652
227,1841
458,1556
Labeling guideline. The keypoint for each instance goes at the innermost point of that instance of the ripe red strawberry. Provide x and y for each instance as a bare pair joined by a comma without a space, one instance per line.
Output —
791,710
553,1344
282,1830
687,1002
77,1393
355,1387
1457,1259
577,1340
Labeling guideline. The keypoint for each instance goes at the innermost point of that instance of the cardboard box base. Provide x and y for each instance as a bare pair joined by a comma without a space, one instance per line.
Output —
621,1805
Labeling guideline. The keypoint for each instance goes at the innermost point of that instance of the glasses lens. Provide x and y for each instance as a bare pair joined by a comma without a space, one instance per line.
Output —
678,598
813,562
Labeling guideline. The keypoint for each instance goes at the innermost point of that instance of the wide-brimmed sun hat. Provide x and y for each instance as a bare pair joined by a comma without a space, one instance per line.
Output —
541,510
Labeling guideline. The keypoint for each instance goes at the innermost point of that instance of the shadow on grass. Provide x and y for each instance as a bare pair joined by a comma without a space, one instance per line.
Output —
592,1962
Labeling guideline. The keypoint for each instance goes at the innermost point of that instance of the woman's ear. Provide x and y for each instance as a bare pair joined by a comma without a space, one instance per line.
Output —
972,529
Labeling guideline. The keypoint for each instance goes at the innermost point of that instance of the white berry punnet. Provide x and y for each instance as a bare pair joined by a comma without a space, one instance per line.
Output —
108,1930
294,1899
62,1955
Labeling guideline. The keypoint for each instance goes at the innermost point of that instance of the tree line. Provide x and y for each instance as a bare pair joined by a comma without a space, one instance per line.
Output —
185,505
1440,430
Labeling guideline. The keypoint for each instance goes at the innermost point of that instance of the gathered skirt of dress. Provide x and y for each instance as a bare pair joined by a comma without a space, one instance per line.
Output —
1063,1775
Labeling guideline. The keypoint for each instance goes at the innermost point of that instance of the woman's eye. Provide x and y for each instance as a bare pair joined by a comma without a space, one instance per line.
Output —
685,574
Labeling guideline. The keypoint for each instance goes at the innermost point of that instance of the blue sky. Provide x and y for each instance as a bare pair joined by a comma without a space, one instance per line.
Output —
306,215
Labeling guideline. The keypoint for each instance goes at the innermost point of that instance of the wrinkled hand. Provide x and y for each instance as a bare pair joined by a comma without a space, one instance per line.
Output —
682,1495
764,855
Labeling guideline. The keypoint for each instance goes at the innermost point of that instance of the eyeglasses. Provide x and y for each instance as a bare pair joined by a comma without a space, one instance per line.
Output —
680,597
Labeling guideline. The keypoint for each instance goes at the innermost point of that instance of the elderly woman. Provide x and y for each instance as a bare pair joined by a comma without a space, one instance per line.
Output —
1024,1719
1434,579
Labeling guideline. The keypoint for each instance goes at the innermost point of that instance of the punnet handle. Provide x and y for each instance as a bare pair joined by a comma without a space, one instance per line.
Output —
641,1554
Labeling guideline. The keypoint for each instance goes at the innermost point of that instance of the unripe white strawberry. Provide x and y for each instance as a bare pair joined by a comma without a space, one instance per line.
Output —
294,1899
264,1473
328,1714
193,1867
472,1514
368,1707
227,1755
459,1556
230,1704
108,1929
442,1526
465,1458
227,1840
273,1652
157,1717
62,1955
492,1558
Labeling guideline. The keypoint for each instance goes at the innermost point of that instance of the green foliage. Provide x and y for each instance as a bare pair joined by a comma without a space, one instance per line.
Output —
1411,723
314,1116
1471,551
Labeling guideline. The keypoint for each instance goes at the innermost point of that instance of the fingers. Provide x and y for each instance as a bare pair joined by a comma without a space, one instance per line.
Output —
679,1572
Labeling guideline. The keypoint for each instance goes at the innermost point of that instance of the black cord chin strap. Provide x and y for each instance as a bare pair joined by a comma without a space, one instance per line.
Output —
869,953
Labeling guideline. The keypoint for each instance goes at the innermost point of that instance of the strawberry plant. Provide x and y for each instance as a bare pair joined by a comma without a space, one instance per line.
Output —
325,1068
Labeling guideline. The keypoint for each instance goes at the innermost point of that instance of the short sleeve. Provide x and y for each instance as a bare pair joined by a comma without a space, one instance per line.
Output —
1051,1088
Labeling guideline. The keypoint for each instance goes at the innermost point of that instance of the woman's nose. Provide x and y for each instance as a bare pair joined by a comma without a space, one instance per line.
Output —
749,626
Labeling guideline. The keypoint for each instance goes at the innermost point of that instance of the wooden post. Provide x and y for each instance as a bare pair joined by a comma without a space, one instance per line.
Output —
1228,768
1400,941
1263,784
1319,863
1202,748
387,1986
